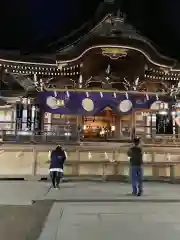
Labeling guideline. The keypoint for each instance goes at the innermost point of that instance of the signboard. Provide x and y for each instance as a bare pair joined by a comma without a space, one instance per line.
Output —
114,53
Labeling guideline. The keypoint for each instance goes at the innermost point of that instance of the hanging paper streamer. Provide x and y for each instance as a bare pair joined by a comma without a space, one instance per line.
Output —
89,155
168,156
29,117
37,119
49,155
19,116
107,157
2,152
19,154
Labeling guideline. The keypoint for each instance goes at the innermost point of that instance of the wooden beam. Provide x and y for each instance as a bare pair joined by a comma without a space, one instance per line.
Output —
103,91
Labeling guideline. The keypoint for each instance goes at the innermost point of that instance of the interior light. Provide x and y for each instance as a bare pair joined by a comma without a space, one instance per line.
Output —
102,132
163,112
113,128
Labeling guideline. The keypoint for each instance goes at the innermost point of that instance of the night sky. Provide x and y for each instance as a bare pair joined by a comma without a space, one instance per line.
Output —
29,24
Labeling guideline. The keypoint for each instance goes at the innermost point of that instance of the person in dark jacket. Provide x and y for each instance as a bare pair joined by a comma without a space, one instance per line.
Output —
58,157
136,161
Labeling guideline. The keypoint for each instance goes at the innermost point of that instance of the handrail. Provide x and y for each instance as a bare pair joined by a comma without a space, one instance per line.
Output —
30,162
92,149
105,162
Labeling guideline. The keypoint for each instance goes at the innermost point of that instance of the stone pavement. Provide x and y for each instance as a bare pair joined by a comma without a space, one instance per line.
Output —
114,192
91,210
101,221
23,222
25,193
21,193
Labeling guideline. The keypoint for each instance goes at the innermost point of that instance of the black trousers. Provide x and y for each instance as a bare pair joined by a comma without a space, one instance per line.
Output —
56,177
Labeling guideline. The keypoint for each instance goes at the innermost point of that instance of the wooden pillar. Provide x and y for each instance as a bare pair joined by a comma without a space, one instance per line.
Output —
38,119
19,115
133,124
117,126
79,121
154,167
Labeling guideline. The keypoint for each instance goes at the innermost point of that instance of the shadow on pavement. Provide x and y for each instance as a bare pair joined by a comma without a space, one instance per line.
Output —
23,222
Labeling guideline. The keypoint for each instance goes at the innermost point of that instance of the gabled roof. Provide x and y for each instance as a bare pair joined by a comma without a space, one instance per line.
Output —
48,57
114,31
108,28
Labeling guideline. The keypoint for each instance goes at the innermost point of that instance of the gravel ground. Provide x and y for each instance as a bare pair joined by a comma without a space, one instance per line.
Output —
23,222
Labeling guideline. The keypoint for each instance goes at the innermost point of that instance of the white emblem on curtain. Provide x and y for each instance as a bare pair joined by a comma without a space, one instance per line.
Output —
159,105
52,102
125,106
88,104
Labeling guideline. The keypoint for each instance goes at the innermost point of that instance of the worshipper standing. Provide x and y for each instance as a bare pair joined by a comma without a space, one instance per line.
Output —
136,161
57,159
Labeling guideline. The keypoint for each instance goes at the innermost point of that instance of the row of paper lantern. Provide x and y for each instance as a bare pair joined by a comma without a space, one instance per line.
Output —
40,69
48,73
161,78
164,72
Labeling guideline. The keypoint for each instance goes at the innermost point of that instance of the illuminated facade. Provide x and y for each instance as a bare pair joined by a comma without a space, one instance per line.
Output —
110,83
